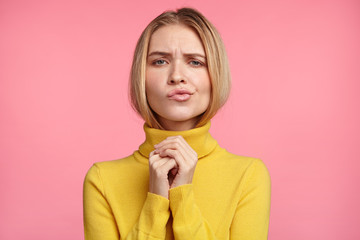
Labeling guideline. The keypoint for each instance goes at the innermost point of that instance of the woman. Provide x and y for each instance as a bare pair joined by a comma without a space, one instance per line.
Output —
180,184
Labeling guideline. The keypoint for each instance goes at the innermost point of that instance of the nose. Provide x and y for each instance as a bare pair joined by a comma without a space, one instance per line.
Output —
176,75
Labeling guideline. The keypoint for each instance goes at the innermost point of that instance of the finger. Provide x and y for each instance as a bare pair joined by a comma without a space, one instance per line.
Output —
167,140
158,161
175,154
168,165
153,157
151,154
186,155
171,153
172,144
175,142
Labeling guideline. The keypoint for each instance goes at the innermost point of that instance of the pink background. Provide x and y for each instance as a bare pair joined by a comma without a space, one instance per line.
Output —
295,104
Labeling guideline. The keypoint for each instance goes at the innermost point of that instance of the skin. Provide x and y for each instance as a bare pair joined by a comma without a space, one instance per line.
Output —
176,60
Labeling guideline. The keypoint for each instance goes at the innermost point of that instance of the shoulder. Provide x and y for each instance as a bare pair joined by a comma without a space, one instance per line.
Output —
258,172
228,158
108,165
255,175
244,166
116,177
252,177
113,168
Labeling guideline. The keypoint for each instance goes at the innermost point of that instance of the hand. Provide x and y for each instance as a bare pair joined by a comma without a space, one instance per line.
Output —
178,150
159,167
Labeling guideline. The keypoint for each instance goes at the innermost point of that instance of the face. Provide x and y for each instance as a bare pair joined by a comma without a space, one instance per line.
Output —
177,79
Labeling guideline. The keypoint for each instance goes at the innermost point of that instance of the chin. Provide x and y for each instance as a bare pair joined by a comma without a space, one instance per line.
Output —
180,116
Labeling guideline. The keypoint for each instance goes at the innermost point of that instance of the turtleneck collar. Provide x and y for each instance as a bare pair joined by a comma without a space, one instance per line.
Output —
199,139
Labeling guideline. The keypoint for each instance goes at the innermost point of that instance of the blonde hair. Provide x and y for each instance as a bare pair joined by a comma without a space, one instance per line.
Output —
217,63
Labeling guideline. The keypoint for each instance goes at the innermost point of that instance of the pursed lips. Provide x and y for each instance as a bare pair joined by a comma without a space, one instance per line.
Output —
179,94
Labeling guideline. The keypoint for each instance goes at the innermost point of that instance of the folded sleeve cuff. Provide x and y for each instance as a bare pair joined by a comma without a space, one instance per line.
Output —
154,216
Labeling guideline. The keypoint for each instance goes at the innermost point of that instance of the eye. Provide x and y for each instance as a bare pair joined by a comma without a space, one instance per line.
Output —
159,62
196,63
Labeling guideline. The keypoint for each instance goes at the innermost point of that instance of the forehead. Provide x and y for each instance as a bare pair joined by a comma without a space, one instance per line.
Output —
175,37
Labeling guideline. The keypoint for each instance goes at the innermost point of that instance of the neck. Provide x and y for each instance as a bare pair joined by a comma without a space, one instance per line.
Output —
199,139
178,125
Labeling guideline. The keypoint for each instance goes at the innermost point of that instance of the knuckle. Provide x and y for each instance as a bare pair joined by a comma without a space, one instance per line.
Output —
160,173
157,174
186,168
174,153
151,162
163,153
152,166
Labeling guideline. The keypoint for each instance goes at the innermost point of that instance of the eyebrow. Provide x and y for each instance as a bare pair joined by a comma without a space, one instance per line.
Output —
168,54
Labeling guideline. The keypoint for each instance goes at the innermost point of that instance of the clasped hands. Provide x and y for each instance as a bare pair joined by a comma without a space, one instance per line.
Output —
171,164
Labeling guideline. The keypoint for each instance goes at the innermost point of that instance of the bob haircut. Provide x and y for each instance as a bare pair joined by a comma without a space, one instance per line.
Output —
217,64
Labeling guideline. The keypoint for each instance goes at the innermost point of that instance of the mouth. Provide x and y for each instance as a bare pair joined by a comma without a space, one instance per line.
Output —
180,95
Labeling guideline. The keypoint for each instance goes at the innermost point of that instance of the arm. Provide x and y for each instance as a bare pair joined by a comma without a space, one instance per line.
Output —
188,220
251,220
152,221
99,221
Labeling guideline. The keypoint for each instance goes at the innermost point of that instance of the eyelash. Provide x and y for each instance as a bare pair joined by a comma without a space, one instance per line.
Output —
198,63
194,63
156,62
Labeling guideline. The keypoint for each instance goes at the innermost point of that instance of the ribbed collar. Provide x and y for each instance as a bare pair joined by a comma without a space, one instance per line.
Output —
198,138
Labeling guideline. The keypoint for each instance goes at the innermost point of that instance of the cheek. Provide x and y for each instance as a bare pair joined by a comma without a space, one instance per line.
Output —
205,85
154,76
150,83
208,95
150,93
153,91
207,91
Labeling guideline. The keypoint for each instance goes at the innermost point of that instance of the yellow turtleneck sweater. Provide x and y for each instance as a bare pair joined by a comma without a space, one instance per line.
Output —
229,197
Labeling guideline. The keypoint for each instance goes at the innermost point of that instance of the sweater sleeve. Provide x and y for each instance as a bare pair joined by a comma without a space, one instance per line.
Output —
251,220
152,221
188,222
99,221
